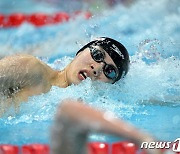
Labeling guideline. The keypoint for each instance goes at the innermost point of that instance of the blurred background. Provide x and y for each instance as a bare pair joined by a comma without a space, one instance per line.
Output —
135,23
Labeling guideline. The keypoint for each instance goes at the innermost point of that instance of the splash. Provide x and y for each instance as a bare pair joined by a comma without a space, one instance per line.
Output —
152,39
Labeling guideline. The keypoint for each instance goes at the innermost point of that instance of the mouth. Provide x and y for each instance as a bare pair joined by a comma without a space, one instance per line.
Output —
82,75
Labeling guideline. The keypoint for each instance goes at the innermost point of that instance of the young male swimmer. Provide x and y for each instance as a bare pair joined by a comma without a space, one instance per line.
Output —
104,59
71,128
21,76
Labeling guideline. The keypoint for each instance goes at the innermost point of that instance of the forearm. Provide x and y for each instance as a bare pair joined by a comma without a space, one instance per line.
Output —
78,119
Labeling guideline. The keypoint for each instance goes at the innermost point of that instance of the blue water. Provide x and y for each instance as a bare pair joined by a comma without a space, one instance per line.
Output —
149,97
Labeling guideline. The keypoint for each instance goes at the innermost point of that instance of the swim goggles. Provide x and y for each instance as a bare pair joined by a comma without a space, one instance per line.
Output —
109,70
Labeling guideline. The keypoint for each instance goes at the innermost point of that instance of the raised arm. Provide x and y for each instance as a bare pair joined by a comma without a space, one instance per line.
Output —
74,121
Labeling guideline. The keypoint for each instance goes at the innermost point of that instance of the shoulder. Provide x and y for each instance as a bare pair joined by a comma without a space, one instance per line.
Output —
18,58
23,59
25,63
22,62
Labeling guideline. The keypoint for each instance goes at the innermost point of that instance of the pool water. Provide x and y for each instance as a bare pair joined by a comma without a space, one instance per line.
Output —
149,97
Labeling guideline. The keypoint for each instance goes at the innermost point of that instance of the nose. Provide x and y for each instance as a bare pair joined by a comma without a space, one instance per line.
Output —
97,68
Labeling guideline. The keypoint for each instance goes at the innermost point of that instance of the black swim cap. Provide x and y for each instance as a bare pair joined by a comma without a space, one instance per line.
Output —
115,50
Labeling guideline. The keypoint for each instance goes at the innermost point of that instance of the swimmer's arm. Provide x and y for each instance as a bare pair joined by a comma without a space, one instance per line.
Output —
82,119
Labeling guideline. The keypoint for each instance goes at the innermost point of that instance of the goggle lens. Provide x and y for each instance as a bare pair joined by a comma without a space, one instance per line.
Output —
97,55
109,70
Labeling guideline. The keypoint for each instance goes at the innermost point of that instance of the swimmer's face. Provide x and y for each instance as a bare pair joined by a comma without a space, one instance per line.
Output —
84,66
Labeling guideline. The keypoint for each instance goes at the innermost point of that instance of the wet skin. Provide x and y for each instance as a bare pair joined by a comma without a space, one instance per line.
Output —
83,63
22,76
72,127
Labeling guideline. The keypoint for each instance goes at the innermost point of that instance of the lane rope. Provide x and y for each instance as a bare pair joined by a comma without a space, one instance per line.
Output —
122,147
39,19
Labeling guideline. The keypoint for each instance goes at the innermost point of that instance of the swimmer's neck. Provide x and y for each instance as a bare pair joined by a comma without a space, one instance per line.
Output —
60,79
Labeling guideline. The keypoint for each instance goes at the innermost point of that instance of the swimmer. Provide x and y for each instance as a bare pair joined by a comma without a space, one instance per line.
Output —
22,76
71,128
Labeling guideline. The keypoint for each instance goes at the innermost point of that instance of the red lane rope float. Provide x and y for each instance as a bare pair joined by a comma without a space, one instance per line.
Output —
16,19
9,149
124,148
35,149
60,17
98,148
1,20
38,19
